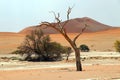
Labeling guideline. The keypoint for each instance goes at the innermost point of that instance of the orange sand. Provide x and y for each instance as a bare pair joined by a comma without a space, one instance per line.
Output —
97,41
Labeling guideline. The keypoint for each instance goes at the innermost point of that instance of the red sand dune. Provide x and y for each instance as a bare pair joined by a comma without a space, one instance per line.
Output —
74,26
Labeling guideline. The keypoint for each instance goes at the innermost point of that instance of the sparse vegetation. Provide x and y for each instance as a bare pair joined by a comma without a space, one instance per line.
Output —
84,48
117,46
37,47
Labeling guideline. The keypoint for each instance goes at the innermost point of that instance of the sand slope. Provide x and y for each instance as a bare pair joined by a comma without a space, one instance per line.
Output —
9,41
100,41
97,41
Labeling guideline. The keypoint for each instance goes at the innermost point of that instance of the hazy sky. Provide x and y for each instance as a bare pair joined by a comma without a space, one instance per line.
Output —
18,14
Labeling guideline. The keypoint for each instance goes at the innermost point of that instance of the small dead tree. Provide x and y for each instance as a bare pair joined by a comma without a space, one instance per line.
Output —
69,50
61,28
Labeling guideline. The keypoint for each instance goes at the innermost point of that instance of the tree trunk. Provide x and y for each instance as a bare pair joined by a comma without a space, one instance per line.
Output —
67,58
68,54
78,61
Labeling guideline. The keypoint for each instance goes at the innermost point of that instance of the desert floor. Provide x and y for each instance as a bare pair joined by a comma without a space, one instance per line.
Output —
103,65
96,66
90,72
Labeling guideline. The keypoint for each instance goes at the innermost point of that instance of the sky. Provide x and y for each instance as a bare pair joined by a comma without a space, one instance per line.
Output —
16,15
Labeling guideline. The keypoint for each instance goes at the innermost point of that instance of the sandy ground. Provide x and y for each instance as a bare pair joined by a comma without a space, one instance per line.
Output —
96,66
91,72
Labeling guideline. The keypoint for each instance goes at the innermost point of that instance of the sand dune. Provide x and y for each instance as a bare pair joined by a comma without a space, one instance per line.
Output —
97,41
9,41
74,26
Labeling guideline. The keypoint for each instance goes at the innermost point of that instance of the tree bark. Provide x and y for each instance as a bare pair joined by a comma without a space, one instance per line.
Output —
78,61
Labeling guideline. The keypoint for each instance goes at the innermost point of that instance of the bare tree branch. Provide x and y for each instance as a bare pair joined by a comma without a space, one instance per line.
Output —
74,40
57,17
59,27
47,24
68,14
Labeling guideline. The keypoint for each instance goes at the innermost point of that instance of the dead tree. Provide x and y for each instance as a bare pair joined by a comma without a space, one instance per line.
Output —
61,29
69,50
